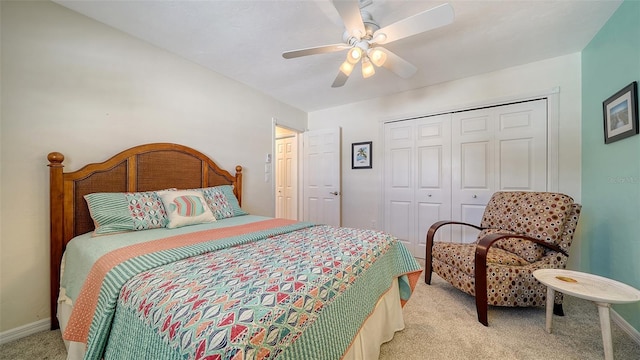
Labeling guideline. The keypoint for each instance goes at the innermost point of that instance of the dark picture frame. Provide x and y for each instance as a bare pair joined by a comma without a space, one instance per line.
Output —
361,155
620,113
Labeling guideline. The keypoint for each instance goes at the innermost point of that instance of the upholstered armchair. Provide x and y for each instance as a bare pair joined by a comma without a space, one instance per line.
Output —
520,232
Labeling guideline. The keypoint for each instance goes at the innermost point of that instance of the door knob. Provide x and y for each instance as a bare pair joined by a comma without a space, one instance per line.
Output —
334,193
474,196
429,195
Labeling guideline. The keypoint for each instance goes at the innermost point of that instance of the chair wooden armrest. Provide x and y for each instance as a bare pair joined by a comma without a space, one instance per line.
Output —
482,248
430,235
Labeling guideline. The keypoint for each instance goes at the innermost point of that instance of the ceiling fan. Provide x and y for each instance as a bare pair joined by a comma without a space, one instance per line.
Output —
363,38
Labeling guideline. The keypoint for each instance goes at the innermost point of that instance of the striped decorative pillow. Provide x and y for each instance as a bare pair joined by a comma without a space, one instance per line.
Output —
119,212
185,207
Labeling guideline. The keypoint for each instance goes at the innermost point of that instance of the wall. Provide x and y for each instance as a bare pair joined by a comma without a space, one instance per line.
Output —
361,189
611,173
73,85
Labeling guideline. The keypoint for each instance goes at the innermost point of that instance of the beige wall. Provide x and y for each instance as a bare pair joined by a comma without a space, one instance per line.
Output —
361,189
73,85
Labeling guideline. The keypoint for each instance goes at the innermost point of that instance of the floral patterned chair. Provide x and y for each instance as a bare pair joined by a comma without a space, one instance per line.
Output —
520,232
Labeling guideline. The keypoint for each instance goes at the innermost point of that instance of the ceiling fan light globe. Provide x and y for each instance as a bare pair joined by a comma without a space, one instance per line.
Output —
378,57
367,68
379,38
354,55
346,68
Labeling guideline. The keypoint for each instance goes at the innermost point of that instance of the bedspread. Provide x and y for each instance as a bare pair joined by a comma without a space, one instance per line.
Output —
295,291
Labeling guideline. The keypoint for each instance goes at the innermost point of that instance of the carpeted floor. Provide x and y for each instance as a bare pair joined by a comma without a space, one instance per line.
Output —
441,324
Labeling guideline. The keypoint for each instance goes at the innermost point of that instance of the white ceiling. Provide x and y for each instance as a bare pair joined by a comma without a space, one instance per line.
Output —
244,40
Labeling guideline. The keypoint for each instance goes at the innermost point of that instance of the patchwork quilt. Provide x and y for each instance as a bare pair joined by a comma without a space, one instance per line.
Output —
273,289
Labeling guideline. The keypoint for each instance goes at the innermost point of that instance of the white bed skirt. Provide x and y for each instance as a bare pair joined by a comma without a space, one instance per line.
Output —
379,328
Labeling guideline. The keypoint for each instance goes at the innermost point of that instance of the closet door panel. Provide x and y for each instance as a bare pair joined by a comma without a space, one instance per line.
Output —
433,177
401,222
472,161
399,183
521,138
516,154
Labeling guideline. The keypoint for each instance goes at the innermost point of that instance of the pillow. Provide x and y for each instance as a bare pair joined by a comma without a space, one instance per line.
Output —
185,207
119,212
222,201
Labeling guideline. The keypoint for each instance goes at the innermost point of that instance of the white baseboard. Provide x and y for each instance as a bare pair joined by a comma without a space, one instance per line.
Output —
25,330
625,326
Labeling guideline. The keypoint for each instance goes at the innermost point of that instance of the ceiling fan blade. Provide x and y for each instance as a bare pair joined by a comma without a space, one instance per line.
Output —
341,78
349,11
314,50
398,65
421,22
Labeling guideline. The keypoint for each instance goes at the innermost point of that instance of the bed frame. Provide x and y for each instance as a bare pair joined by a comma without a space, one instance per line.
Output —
142,168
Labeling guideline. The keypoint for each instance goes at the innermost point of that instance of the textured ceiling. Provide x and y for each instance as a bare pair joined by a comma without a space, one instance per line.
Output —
244,40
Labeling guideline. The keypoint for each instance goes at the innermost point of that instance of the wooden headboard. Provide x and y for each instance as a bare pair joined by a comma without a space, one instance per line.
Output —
142,168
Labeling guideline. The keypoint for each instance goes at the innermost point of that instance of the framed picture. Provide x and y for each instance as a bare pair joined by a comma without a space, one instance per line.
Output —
621,114
361,155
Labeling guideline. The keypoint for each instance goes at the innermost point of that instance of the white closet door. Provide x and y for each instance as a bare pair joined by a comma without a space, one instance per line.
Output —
493,149
399,152
417,178
472,163
433,177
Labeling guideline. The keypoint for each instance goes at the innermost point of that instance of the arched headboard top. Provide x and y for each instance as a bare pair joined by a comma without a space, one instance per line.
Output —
145,167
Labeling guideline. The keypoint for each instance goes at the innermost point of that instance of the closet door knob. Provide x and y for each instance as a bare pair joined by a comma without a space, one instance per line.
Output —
474,196
429,195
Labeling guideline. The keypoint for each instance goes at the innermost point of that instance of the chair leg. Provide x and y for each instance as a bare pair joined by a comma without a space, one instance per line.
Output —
428,259
557,310
481,308
481,284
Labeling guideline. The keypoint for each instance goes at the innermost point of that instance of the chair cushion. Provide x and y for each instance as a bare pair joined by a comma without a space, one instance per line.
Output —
524,249
462,256
541,215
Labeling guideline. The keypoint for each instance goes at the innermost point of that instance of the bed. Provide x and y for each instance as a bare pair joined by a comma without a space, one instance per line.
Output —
184,273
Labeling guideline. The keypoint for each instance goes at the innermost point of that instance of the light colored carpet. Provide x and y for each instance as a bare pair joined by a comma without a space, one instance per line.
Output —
441,324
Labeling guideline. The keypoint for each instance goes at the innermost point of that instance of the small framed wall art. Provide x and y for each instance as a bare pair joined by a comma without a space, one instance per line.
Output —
621,114
361,157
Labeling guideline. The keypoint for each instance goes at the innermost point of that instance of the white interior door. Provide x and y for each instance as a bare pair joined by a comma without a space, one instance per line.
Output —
287,178
321,199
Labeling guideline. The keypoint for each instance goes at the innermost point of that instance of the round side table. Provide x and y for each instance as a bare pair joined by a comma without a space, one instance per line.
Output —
598,289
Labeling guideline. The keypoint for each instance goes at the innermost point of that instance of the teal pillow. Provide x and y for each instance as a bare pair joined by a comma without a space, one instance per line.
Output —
118,212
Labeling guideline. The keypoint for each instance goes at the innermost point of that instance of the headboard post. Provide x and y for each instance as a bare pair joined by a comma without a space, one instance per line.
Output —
238,187
56,198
